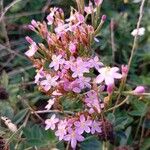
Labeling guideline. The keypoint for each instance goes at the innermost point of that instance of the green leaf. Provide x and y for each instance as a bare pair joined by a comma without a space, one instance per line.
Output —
122,122
18,6
37,136
111,118
91,144
6,110
124,141
20,116
4,79
140,108
145,144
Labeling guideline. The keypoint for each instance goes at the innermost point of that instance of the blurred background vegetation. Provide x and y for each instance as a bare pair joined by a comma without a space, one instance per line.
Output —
18,94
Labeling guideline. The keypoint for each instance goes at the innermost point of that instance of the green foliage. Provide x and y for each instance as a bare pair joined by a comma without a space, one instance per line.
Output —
91,143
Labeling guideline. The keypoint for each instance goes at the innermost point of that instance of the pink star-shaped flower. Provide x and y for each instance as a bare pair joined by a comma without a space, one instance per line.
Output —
83,125
79,68
108,75
49,82
56,62
92,101
50,103
73,136
40,74
51,123
61,132
95,127
95,63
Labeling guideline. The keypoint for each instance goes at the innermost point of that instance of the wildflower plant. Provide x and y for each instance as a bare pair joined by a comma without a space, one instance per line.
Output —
68,68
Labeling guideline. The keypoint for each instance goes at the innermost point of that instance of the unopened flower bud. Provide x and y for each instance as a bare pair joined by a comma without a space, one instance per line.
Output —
98,2
139,90
124,69
29,40
34,23
31,27
103,18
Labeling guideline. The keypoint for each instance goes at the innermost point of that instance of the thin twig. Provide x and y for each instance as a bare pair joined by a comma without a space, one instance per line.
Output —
19,70
11,51
132,51
17,16
24,124
128,93
25,102
138,127
112,40
142,132
7,8
136,36
120,104
4,30
52,111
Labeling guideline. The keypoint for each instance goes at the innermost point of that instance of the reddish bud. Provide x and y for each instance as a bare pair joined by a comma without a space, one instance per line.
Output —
124,69
139,90
103,18
98,2
34,23
29,40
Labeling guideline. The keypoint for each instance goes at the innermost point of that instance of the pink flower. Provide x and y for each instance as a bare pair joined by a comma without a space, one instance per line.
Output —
70,63
89,9
79,17
95,63
61,132
124,70
50,17
49,82
50,103
92,101
56,62
84,82
51,123
62,29
32,48
98,2
74,86
139,90
72,47
73,136
83,125
108,75
79,68
40,74
95,127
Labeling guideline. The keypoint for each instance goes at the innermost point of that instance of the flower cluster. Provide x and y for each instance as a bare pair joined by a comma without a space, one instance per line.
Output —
72,129
66,64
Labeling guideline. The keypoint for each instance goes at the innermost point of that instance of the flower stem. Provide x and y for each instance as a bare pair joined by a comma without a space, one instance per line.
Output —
120,104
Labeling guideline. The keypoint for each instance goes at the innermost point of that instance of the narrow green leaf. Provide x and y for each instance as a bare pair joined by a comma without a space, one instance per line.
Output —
20,116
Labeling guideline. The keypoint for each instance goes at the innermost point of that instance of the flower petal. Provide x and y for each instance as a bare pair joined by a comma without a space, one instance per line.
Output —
99,79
